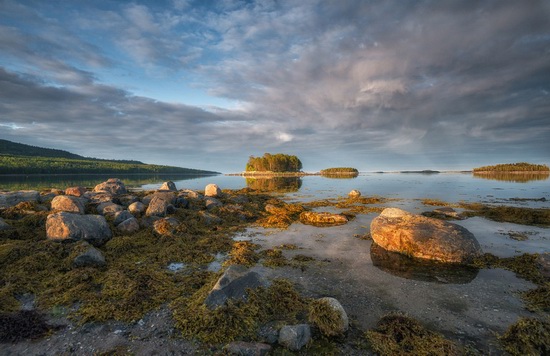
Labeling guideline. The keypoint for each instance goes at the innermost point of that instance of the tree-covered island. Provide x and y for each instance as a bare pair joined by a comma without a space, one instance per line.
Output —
513,167
274,163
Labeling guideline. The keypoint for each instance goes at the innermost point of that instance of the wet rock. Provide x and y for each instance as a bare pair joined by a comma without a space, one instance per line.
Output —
137,208
168,186
75,191
322,218
68,203
232,285
128,226
212,203
109,208
423,237
121,216
294,337
445,212
4,225
209,218
242,348
9,199
113,186
92,257
68,226
212,190
354,194
166,226
329,316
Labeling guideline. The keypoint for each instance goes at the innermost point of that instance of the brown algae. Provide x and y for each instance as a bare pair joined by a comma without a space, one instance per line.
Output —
528,336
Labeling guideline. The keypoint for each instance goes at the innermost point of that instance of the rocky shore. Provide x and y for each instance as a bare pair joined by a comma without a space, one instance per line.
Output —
104,270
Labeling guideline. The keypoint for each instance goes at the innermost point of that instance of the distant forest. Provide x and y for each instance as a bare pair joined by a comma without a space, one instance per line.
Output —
17,158
336,170
274,163
514,167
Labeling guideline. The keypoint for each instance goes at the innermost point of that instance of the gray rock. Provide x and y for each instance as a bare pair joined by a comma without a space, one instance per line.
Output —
4,225
128,226
209,218
212,190
294,337
543,264
68,226
354,194
168,186
159,206
9,199
92,257
137,208
190,194
109,208
269,333
242,348
232,285
181,202
68,203
98,198
113,186
148,221
423,237
212,203
121,216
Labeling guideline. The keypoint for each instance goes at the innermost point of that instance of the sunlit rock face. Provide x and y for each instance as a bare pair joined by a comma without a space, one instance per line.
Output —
423,237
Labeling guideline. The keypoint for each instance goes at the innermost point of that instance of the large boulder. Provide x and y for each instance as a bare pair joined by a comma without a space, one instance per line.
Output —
322,218
9,199
232,285
212,190
68,203
112,185
294,337
423,237
161,204
68,226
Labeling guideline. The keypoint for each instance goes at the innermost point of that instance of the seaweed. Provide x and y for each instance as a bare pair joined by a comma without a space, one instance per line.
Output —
528,336
274,258
397,334
243,253
325,317
511,214
537,299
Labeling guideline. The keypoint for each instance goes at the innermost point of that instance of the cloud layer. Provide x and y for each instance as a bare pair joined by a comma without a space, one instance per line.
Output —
374,85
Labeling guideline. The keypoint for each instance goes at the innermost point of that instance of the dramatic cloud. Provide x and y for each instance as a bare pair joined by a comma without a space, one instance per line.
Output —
374,85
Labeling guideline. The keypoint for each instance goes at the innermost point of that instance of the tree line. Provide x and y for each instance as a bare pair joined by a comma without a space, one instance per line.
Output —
513,167
274,163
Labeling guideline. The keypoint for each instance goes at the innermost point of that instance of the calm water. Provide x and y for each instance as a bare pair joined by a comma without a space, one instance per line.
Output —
452,187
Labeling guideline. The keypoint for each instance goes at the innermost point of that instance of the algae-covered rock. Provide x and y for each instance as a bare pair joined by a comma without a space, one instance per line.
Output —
209,218
232,285
9,199
354,194
166,226
68,203
212,190
68,226
242,348
329,316
322,218
294,337
423,237
92,257
112,185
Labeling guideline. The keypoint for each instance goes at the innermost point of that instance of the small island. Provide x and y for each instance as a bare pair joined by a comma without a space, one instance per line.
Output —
278,164
340,172
521,167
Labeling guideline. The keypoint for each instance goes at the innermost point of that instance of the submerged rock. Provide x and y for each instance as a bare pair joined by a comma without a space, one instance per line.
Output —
232,285
68,226
294,337
112,185
322,219
68,203
423,237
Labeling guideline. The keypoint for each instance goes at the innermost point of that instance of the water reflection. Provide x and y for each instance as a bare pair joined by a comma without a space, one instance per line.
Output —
340,175
419,269
38,182
513,177
275,184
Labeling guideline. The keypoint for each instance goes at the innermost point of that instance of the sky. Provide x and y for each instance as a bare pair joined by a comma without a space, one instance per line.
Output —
375,85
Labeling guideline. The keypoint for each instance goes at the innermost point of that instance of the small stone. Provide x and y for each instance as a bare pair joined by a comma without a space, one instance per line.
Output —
339,325
137,208
121,216
242,348
75,191
354,194
128,226
92,257
294,337
191,194
161,204
212,190
168,186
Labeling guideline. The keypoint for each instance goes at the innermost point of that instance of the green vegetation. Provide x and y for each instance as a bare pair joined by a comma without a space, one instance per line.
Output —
10,164
340,171
274,163
513,167
528,336
397,334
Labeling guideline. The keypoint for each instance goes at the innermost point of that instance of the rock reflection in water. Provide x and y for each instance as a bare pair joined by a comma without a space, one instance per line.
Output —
275,184
515,177
421,270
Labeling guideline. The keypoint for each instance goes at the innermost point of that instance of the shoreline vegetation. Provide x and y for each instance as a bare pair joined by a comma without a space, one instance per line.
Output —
521,167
